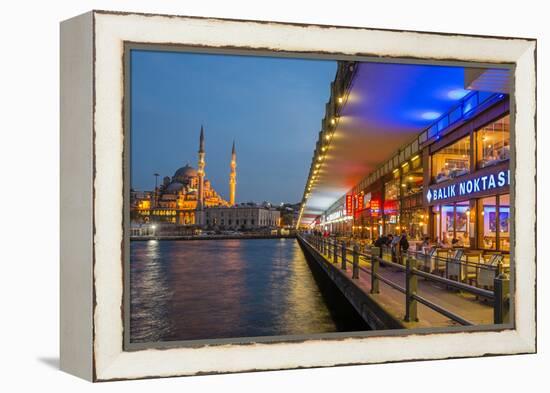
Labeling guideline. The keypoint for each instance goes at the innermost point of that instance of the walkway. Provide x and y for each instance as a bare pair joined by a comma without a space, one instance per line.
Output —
479,312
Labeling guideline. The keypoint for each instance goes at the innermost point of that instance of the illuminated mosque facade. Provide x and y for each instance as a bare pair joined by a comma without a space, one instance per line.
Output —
182,198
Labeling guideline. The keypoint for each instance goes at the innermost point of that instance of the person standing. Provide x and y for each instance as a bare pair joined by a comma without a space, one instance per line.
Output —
403,242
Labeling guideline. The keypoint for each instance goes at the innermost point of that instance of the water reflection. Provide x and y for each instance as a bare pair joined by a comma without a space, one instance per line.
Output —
188,290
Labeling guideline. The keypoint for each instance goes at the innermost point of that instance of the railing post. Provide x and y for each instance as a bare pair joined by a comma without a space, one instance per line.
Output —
410,289
344,256
335,252
502,296
374,265
355,262
322,245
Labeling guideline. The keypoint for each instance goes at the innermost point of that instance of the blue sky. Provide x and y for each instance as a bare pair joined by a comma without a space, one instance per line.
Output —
271,107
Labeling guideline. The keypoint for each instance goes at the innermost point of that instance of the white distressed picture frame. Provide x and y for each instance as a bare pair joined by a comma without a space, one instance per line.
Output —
92,150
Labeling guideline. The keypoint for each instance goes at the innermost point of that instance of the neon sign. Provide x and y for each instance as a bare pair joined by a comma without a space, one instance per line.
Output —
349,205
467,187
360,205
375,207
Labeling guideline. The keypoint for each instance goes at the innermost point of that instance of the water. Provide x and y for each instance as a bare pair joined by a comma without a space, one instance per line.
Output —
209,289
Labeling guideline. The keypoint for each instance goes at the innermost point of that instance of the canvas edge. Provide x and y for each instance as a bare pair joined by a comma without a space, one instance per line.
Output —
76,193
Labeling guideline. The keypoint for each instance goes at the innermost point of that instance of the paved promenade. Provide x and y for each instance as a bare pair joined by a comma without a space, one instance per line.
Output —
465,305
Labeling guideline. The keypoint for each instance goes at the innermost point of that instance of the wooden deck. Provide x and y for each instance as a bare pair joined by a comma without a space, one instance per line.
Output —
478,312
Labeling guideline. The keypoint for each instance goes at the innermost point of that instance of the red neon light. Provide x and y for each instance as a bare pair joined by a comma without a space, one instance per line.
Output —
349,205
374,207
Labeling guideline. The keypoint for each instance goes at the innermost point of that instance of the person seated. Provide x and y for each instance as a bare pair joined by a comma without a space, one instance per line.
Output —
458,242
444,242
504,153
426,241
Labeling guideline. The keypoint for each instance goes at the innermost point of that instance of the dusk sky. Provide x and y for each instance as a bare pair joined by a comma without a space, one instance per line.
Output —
271,107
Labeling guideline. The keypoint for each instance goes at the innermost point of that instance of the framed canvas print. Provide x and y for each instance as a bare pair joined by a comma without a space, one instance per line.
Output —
246,195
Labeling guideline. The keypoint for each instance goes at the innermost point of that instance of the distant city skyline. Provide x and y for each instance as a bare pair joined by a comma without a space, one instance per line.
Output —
271,107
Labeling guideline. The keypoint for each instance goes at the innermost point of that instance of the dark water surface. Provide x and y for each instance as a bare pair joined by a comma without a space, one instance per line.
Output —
209,289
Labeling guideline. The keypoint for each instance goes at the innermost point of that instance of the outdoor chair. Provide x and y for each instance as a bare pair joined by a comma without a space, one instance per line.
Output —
454,266
471,267
427,260
486,274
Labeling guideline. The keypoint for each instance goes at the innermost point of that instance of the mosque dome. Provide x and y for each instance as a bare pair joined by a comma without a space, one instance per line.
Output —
174,187
185,172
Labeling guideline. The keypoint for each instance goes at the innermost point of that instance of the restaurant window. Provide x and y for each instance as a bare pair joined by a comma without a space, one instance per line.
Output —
462,220
504,225
493,142
494,223
452,161
391,222
391,190
447,224
414,221
412,182
488,223
391,205
451,223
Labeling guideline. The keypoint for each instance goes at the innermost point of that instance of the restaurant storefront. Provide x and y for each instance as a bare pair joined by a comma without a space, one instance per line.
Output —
338,219
469,186
367,214
414,215
451,185
393,204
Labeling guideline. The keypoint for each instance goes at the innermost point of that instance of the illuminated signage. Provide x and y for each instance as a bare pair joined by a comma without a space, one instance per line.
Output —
375,207
470,186
391,206
360,205
334,216
349,205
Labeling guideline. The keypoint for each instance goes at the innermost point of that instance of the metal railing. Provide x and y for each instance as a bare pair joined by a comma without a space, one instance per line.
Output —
338,252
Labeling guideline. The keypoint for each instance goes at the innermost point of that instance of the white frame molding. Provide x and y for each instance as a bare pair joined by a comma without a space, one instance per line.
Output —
92,262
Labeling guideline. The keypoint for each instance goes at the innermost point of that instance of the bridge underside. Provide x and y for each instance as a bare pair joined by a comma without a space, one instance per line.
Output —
388,105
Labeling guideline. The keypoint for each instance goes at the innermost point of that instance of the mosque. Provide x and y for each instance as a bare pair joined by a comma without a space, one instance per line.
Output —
182,198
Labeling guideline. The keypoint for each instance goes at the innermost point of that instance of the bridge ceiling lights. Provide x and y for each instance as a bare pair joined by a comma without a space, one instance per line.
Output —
382,107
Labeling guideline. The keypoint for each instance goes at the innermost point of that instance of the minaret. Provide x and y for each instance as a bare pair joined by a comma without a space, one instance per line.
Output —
233,176
200,171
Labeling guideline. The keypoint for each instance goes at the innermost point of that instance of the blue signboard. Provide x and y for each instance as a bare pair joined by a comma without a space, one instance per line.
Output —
474,185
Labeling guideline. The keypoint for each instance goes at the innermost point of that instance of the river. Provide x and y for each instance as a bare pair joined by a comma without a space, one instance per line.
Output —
211,289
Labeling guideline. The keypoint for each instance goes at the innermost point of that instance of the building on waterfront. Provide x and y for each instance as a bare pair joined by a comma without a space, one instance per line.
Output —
182,198
448,179
247,216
